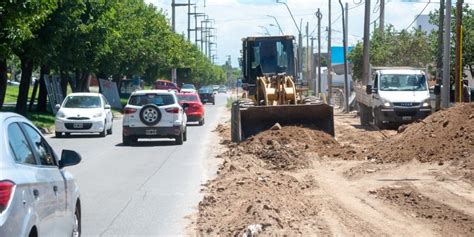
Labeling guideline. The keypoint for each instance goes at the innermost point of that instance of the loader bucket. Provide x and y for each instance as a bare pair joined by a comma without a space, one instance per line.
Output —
249,121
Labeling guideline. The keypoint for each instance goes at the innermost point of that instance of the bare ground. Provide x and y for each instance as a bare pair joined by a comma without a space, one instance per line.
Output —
296,181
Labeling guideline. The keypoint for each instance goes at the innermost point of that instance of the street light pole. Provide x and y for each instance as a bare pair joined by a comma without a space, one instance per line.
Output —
329,63
278,24
319,16
300,38
346,79
266,30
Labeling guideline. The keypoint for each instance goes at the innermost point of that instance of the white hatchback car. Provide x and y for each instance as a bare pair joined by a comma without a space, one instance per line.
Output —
84,113
37,196
154,114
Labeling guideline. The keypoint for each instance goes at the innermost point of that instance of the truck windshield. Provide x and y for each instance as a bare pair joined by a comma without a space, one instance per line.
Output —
272,56
400,82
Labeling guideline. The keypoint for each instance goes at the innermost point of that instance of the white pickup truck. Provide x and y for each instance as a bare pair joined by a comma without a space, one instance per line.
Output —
393,95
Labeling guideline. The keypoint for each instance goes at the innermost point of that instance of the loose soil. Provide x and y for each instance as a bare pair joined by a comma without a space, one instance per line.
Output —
417,181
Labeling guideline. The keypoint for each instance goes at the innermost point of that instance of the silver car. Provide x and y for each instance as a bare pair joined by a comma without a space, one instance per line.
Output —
37,196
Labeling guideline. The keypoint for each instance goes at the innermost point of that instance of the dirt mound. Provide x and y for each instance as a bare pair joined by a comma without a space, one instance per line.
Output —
254,189
447,135
292,147
451,222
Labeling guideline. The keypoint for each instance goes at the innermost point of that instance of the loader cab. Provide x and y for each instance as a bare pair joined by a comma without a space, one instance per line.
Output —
267,56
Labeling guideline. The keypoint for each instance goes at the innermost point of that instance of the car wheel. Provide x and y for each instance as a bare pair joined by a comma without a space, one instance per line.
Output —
58,134
76,230
201,122
185,135
104,132
109,131
213,103
179,139
126,140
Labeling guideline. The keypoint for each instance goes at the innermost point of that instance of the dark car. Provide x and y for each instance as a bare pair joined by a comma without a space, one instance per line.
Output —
165,85
206,94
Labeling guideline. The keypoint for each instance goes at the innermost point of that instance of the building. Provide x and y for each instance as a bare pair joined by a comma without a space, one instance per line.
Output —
423,23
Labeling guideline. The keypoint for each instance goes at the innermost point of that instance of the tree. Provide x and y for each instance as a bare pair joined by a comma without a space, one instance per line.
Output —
18,21
392,48
468,35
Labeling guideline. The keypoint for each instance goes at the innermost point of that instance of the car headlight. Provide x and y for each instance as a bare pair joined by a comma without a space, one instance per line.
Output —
60,114
386,103
97,115
426,103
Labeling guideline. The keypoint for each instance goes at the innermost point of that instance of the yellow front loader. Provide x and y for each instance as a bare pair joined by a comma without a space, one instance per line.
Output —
271,94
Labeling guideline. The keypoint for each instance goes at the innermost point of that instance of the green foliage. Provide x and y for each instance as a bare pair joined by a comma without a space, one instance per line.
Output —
106,37
468,34
393,48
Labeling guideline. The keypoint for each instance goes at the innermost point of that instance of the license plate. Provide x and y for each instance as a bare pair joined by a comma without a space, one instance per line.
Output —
151,132
78,125
406,118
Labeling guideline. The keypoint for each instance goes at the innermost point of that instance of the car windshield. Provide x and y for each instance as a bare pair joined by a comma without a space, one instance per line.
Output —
400,82
205,90
188,86
160,100
182,98
83,102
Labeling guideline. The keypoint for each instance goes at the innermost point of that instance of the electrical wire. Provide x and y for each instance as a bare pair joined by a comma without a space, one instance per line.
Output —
416,18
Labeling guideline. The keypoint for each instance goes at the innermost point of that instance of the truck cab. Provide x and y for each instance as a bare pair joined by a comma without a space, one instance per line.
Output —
398,96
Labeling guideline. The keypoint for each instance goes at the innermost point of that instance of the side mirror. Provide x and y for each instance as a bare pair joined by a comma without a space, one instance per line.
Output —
57,106
185,106
69,158
368,89
108,107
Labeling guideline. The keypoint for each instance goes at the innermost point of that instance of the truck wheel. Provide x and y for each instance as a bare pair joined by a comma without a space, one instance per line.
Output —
363,114
379,123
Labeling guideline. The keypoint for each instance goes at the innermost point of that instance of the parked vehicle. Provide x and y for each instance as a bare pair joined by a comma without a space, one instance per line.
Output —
222,89
195,109
188,88
84,113
154,114
206,95
37,196
166,85
394,95
215,89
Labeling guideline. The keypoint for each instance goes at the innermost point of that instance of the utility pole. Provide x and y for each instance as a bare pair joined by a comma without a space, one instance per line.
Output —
329,63
344,32
312,72
382,16
365,57
319,16
308,66
196,15
458,58
439,61
446,56
173,26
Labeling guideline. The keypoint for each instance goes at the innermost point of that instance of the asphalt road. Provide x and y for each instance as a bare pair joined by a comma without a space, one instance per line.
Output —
148,189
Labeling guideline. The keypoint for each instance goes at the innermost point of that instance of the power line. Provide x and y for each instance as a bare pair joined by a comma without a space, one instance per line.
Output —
416,18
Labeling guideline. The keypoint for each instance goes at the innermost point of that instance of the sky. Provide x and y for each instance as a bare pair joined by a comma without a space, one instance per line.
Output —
236,19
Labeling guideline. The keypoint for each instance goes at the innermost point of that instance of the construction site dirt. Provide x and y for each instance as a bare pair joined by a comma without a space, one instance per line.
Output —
417,181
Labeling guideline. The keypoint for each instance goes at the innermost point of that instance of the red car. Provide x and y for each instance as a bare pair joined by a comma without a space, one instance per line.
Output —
165,85
195,110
